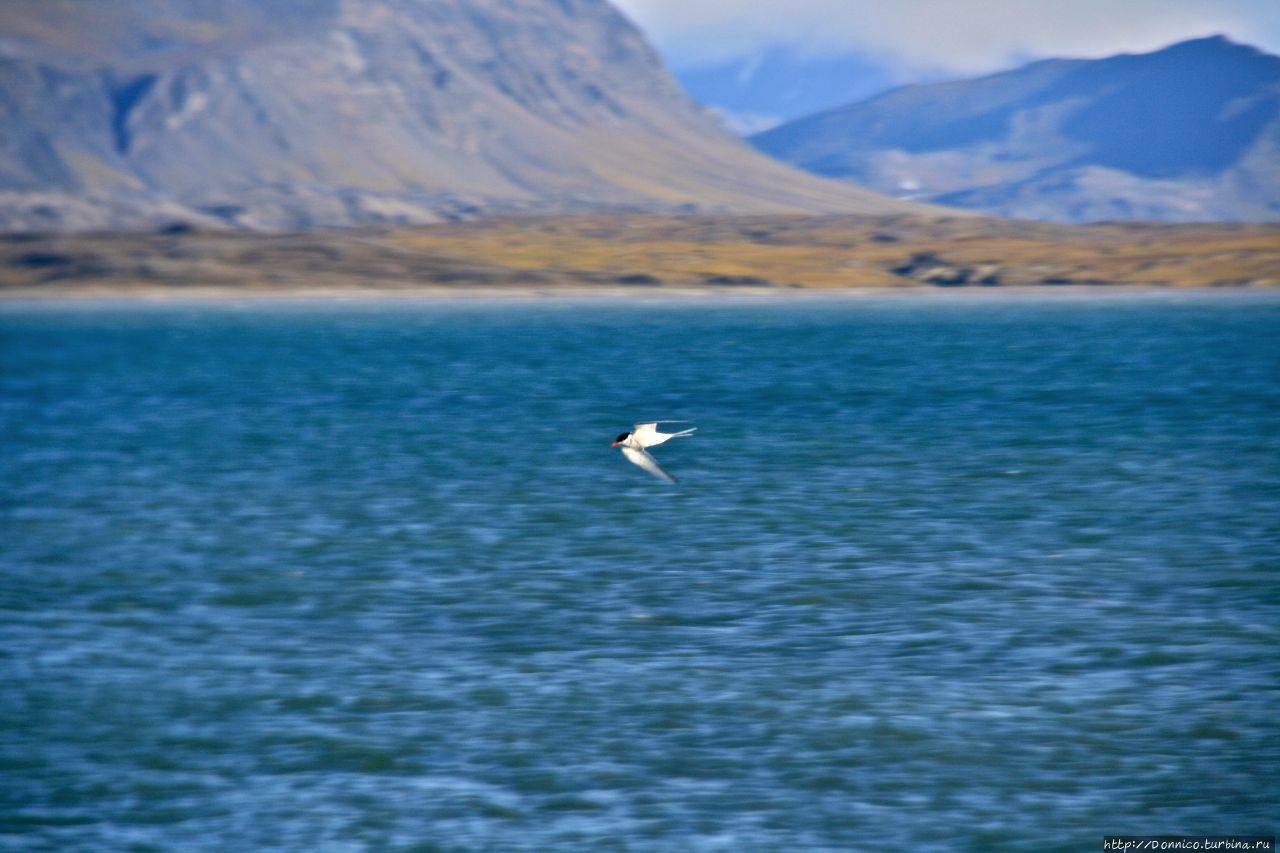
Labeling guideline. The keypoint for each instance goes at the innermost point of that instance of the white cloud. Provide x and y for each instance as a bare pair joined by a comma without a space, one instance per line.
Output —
926,37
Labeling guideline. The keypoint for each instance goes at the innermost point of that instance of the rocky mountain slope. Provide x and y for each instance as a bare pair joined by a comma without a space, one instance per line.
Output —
302,113
1190,132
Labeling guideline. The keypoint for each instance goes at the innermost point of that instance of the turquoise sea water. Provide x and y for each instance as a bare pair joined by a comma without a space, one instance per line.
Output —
940,573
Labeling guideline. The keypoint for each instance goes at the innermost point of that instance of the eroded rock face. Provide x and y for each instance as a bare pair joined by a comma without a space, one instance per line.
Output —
331,112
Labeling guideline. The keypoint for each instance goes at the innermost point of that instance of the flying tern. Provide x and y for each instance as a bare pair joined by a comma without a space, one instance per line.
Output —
634,446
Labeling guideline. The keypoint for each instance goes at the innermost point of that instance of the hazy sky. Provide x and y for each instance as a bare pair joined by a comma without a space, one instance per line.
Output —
925,38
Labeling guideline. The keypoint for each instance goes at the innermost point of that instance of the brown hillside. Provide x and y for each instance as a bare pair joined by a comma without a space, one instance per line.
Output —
646,253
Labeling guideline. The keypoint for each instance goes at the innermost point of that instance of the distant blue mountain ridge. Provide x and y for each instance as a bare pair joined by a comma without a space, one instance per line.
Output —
754,93
1189,132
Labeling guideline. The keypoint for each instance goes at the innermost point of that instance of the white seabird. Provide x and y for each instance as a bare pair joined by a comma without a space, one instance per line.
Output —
634,446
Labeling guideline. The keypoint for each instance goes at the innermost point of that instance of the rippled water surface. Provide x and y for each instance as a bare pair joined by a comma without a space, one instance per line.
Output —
980,573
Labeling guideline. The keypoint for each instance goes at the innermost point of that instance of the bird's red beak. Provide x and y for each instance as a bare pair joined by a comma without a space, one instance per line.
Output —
615,444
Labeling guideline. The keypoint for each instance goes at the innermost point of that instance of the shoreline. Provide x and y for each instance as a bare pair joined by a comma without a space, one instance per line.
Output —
162,295
643,257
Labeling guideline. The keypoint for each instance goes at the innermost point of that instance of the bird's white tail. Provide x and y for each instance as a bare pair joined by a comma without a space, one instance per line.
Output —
689,431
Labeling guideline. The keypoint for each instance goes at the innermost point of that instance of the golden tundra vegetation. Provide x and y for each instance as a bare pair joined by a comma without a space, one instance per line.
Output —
645,252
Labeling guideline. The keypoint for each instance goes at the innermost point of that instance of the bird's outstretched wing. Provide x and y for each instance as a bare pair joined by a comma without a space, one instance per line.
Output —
647,435
647,462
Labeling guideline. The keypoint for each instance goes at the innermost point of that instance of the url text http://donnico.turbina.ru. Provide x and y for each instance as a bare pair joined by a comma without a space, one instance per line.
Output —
1173,843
